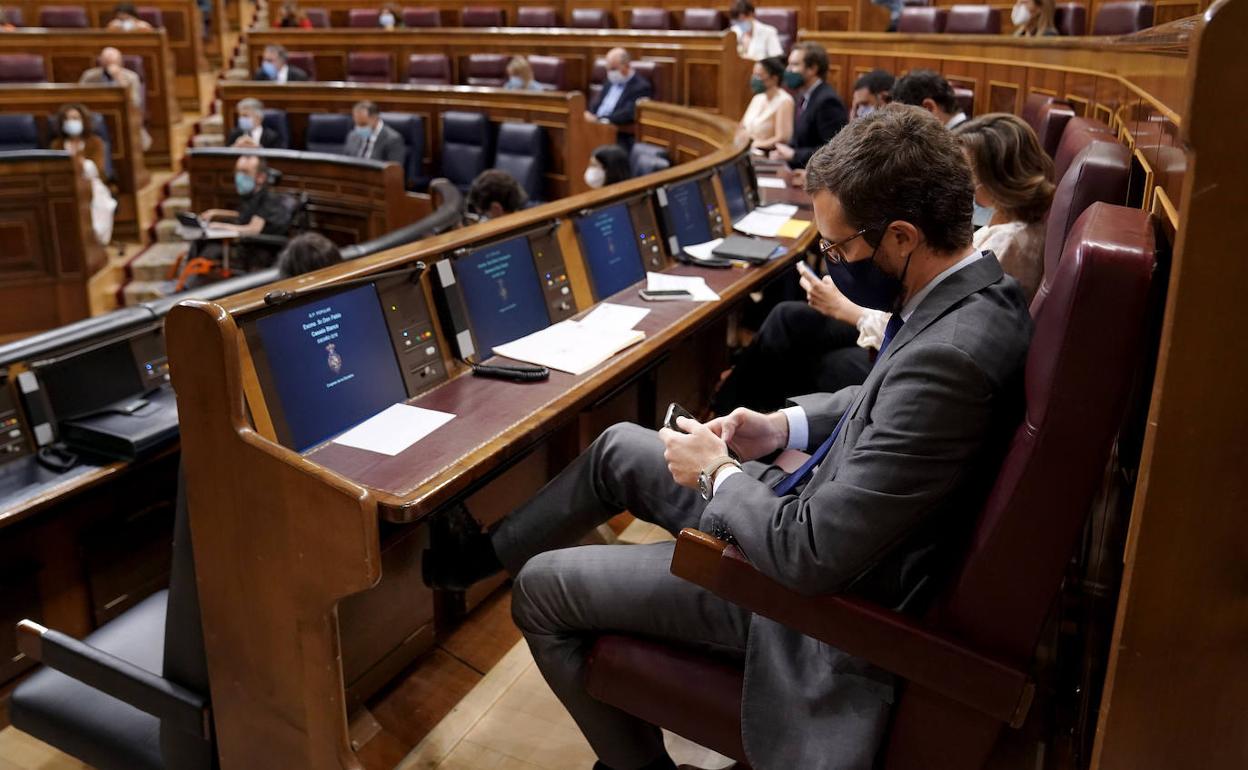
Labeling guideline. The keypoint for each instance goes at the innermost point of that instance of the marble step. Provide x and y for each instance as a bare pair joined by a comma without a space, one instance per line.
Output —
212,124
157,262
180,185
146,291
208,140
236,74
167,231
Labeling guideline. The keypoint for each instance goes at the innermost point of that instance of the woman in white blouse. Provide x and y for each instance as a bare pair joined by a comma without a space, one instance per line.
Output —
768,119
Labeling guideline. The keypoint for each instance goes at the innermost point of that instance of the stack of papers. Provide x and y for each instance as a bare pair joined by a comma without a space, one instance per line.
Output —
576,347
767,221
773,182
703,250
395,429
694,284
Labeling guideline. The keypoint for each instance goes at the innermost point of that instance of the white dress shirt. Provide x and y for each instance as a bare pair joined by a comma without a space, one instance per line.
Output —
764,42
612,97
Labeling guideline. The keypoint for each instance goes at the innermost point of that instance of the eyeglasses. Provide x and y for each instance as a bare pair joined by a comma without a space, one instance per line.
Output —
831,250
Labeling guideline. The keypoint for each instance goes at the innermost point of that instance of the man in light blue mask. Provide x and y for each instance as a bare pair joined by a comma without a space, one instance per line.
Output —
261,211
372,138
274,66
617,103
250,130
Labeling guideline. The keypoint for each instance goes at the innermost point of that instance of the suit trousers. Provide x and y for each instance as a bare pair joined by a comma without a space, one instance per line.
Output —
562,598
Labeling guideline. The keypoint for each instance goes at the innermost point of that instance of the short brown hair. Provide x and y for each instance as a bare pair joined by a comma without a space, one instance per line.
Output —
814,55
898,163
1008,161
740,8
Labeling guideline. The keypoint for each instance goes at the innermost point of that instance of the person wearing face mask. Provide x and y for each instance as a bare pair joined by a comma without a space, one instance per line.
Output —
493,194
111,68
755,39
820,113
894,466
768,119
77,136
520,76
261,211
617,102
250,130
126,19
389,18
274,66
927,89
608,164
372,138
871,92
1034,18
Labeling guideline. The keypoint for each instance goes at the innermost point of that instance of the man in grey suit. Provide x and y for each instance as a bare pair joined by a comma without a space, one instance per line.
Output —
897,467
372,138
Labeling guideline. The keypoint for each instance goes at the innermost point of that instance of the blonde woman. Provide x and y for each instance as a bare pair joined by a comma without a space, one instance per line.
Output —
520,75
1034,18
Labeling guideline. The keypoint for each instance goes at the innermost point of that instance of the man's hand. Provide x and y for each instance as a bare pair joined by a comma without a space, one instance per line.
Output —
823,296
245,140
797,178
688,454
782,152
751,434
590,117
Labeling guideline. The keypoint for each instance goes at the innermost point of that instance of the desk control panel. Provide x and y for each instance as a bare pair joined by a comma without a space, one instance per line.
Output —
411,332
12,437
553,274
646,227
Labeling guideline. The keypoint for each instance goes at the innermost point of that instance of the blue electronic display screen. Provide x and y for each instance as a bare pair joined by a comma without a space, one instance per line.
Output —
502,292
734,191
610,247
686,214
332,363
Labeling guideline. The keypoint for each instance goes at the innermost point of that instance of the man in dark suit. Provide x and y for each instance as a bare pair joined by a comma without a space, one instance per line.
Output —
274,67
896,465
617,102
251,131
372,138
820,112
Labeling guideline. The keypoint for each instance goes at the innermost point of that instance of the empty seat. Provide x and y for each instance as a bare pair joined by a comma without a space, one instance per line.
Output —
537,17
63,16
370,67
922,20
134,63
650,71
1123,18
965,98
317,17
1031,109
550,71
486,69
151,15
1071,19
421,17
521,153
327,132
783,19
591,18
482,16
18,132
650,18
1101,172
465,146
363,17
973,20
304,61
703,20
1079,133
412,128
429,69
276,120
22,68
1051,120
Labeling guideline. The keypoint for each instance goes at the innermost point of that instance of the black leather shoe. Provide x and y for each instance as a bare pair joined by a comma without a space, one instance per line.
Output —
461,554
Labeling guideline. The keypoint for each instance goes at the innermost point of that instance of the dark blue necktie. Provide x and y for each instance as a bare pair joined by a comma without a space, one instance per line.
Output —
786,485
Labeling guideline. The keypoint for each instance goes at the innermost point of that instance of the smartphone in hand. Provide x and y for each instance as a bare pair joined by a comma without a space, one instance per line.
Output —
675,410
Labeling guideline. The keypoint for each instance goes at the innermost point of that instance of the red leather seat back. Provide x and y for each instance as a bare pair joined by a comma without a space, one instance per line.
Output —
703,20
783,19
429,69
421,17
151,15
317,17
966,100
480,16
1123,18
923,20
22,68
591,18
1051,121
1031,109
550,71
532,16
304,61
973,20
486,69
650,71
1079,133
63,17
650,18
1071,19
370,67
363,17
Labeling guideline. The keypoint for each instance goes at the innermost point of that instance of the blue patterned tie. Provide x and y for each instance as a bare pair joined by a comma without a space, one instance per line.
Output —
786,484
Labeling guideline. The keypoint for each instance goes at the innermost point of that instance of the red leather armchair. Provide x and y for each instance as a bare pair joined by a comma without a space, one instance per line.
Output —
591,18
650,18
304,61
317,17
1079,133
478,16
1071,19
429,69
1123,18
486,69
22,68
370,67
703,20
364,18
532,16
550,71
965,665
1051,120
784,20
421,17
922,20
973,20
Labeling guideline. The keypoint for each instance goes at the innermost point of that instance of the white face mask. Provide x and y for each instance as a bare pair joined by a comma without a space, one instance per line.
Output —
595,176
128,24
1020,15
72,127
386,19
615,77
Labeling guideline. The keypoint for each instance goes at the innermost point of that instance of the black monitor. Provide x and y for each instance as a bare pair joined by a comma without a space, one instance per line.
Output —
619,243
740,188
91,380
690,213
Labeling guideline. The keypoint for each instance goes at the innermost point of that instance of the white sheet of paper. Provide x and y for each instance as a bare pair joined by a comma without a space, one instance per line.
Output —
570,346
761,224
609,315
779,209
703,250
774,183
394,429
694,284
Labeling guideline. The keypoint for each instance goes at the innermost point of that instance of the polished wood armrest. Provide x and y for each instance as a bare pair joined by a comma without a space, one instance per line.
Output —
886,638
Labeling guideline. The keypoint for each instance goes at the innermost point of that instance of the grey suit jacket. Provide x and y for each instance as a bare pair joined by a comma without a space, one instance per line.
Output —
388,147
899,486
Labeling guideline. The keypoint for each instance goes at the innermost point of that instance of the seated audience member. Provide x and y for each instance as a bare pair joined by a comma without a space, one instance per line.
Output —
372,138
825,343
617,103
293,16
77,136
520,76
1012,175
251,131
871,92
126,17
927,89
755,39
261,211
769,117
820,112
111,69
608,164
1034,18
274,66
896,466
5,24
390,17
894,11
494,194
307,252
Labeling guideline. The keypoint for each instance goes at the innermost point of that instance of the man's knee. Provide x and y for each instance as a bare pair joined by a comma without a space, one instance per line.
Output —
786,321
531,592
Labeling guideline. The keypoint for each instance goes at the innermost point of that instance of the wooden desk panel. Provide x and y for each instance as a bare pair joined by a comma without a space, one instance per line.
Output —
568,142
50,251
67,53
123,121
697,69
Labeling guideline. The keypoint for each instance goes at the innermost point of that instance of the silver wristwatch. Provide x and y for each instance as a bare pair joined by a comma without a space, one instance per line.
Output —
706,479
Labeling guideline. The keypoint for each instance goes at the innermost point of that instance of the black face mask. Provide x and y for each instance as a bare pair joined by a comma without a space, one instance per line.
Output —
865,283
